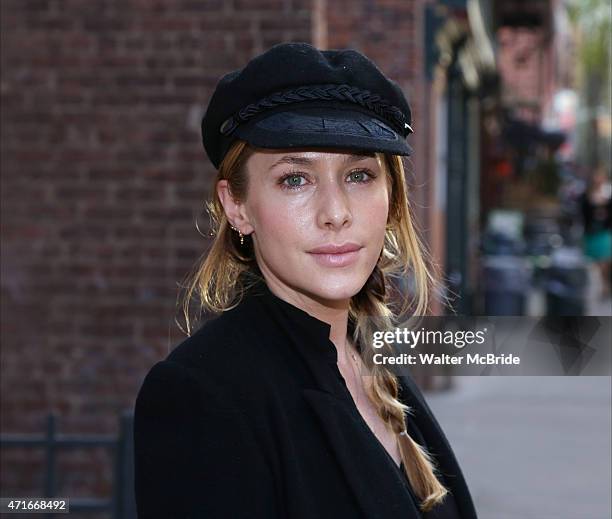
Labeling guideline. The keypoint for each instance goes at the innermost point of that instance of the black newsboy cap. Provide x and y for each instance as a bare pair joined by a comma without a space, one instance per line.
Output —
296,96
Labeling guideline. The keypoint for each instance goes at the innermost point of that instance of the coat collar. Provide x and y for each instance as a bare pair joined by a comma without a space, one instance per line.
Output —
298,323
368,468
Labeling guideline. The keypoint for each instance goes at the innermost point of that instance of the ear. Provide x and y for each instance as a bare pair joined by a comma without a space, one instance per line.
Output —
234,210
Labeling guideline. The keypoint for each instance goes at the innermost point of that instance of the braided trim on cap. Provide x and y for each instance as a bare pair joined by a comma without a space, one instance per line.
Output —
364,98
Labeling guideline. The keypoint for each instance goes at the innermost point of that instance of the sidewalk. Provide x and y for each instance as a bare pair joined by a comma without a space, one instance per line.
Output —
595,305
532,447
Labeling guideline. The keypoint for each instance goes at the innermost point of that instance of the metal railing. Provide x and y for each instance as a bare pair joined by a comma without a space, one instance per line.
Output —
121,504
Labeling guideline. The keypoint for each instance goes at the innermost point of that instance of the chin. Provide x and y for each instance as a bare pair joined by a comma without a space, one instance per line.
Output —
334,286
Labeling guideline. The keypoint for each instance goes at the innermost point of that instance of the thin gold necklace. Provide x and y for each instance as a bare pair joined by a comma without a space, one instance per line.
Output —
356,375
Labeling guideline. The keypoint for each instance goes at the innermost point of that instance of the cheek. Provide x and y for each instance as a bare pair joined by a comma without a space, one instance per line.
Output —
279,224
379,208
374,211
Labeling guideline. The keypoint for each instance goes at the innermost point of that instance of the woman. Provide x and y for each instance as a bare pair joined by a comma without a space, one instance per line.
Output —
272,409
596,204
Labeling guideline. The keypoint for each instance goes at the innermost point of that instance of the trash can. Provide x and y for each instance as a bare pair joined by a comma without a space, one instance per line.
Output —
506,280
566,283
499,244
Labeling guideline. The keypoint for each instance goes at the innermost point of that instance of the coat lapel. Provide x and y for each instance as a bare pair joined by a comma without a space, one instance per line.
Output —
368,470
357,449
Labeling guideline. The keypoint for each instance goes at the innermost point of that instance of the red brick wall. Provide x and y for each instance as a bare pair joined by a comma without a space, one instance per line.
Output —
103,175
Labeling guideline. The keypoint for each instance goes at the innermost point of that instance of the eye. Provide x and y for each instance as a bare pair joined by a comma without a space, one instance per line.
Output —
292,181
361,176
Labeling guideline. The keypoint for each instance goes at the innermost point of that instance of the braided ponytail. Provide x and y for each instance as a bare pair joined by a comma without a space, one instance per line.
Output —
370,311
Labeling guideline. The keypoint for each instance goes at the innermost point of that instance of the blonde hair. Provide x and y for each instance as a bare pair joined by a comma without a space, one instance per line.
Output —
221,277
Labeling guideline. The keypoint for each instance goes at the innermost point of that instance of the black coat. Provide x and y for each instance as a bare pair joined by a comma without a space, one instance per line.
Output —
250,418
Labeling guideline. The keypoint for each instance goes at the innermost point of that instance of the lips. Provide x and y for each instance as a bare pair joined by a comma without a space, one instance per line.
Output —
335,249
332,255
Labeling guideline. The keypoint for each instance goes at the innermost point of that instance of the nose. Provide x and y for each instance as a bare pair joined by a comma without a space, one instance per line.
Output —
334,207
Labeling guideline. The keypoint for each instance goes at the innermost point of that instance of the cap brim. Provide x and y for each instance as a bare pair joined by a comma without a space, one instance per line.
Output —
323,127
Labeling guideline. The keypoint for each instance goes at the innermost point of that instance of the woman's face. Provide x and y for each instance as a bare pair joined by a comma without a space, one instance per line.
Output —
317,219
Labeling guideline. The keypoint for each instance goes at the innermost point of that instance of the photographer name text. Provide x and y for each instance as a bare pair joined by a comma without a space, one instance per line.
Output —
410,359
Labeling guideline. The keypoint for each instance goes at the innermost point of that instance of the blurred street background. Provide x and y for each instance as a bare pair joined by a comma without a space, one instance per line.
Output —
104,178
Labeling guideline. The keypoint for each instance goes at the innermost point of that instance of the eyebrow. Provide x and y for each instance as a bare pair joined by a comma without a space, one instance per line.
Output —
305,161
